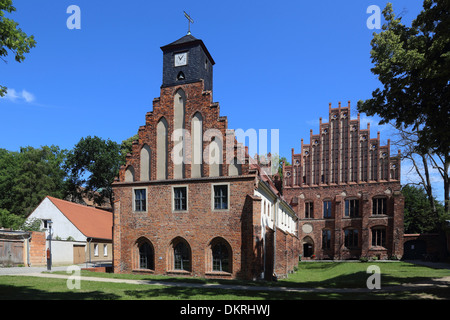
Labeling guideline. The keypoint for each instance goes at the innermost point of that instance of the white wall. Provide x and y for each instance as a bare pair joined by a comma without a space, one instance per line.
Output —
285,217
267,209
62,227
62,251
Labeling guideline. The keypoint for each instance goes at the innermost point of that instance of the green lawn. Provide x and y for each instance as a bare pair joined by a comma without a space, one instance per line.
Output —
310,275
354,274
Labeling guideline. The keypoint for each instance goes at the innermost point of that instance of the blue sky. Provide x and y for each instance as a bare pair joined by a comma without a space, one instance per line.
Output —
278,65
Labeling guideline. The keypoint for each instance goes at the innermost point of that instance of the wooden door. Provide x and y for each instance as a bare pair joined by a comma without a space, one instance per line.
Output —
78,254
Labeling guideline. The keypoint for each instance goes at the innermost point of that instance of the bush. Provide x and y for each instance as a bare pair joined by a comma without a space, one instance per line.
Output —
364,259
10,220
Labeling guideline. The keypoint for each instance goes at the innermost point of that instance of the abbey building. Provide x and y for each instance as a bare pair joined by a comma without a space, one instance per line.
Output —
191,201
345,188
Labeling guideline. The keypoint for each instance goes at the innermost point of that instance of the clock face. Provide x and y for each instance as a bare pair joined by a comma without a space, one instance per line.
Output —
180,59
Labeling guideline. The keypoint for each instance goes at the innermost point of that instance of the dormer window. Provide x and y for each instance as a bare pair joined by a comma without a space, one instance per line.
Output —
180,76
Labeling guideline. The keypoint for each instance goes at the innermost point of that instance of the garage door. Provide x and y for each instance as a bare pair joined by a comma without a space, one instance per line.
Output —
11,253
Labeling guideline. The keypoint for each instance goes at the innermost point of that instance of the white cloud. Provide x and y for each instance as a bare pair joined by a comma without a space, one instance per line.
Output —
11,95
27,96
374,126
15,96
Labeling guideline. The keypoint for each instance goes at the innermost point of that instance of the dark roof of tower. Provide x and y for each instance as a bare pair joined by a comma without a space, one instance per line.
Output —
185,41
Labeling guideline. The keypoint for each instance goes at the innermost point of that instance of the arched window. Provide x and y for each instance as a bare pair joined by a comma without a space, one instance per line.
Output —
145,163
146,256
161,149
182,256
143,255
220,258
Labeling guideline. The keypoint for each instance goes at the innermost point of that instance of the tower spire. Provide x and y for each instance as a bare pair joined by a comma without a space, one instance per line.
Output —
189,22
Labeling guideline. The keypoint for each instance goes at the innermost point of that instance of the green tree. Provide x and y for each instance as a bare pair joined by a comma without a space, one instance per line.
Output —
419,217
127,147
92,166
28,176
413,65
9,220
12,38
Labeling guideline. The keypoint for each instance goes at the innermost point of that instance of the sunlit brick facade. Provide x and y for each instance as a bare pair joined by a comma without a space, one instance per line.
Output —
197,217
345,188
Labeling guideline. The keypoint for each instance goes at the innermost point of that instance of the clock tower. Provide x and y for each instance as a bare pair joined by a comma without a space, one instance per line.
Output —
185,61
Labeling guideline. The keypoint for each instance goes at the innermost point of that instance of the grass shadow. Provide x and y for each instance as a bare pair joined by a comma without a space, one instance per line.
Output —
30,288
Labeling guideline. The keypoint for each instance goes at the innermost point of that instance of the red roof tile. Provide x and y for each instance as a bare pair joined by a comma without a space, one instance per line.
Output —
93,223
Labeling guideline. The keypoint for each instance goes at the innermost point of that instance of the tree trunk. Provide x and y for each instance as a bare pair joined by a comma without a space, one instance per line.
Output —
427,184
446,183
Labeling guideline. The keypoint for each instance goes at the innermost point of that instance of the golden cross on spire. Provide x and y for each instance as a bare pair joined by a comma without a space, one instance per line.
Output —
189,21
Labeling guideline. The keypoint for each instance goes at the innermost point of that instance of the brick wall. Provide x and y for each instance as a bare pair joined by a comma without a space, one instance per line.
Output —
365,222
198,226
38,249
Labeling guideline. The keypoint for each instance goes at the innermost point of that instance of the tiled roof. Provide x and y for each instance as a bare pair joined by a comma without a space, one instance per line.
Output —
93,223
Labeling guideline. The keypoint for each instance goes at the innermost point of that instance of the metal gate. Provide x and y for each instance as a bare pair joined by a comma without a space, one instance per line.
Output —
11,253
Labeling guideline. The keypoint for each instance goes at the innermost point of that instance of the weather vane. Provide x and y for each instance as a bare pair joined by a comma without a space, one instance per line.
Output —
189,21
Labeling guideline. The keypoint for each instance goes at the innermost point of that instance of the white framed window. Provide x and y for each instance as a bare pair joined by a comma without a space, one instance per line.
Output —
96,249
139,199
220,199
105,250
45,223
179,198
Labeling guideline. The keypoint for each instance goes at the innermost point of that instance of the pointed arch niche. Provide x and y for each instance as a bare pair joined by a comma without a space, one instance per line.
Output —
161,149
145,163
197,145
179,108
129,174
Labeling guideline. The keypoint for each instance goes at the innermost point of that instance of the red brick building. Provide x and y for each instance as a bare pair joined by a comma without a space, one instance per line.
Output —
345,188
184,202
190,201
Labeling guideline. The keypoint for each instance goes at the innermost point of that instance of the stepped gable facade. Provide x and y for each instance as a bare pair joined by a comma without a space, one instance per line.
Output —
184,203
345,188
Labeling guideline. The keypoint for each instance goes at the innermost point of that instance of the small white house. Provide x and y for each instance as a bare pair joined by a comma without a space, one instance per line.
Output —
79,233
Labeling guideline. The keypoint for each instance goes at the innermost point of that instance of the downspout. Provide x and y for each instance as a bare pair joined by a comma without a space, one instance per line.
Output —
90,262
28,249
275,227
